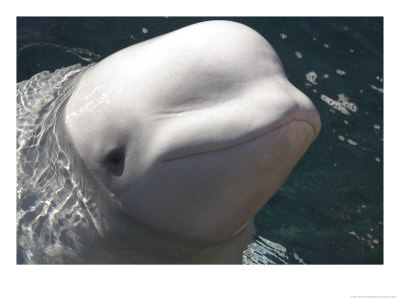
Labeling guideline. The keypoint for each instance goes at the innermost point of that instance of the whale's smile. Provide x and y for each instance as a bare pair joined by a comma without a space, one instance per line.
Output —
248,139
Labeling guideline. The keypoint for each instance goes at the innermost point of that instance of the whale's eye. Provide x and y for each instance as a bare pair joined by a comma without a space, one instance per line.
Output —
115,161
115,158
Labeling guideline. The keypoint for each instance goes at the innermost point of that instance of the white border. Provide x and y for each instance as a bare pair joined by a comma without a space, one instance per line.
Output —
201,282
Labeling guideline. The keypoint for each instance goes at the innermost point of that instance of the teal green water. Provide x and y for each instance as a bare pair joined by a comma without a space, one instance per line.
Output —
330,210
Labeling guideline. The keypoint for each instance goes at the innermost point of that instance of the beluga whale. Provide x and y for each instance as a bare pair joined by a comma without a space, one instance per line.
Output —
190,134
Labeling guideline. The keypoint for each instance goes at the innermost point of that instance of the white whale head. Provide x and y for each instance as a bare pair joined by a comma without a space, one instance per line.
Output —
192,131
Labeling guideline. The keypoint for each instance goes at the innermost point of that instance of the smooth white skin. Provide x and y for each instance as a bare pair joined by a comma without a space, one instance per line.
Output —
206,123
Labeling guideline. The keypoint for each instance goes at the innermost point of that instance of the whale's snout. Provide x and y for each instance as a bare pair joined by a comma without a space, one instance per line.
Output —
307,111
231,121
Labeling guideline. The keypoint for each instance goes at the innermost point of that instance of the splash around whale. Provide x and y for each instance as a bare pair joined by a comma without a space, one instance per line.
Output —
186,137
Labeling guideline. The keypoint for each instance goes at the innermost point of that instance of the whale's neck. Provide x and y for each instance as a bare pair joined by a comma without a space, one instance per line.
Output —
138,243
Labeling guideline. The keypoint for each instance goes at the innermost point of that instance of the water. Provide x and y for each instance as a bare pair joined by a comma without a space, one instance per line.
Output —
329,211
52,192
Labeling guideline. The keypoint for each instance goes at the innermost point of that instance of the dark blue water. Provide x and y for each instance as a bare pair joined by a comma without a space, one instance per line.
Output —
330,210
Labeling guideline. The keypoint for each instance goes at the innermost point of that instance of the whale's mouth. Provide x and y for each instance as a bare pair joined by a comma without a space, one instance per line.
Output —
244,141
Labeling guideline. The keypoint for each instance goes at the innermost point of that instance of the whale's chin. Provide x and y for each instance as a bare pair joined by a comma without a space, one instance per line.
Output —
223,188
